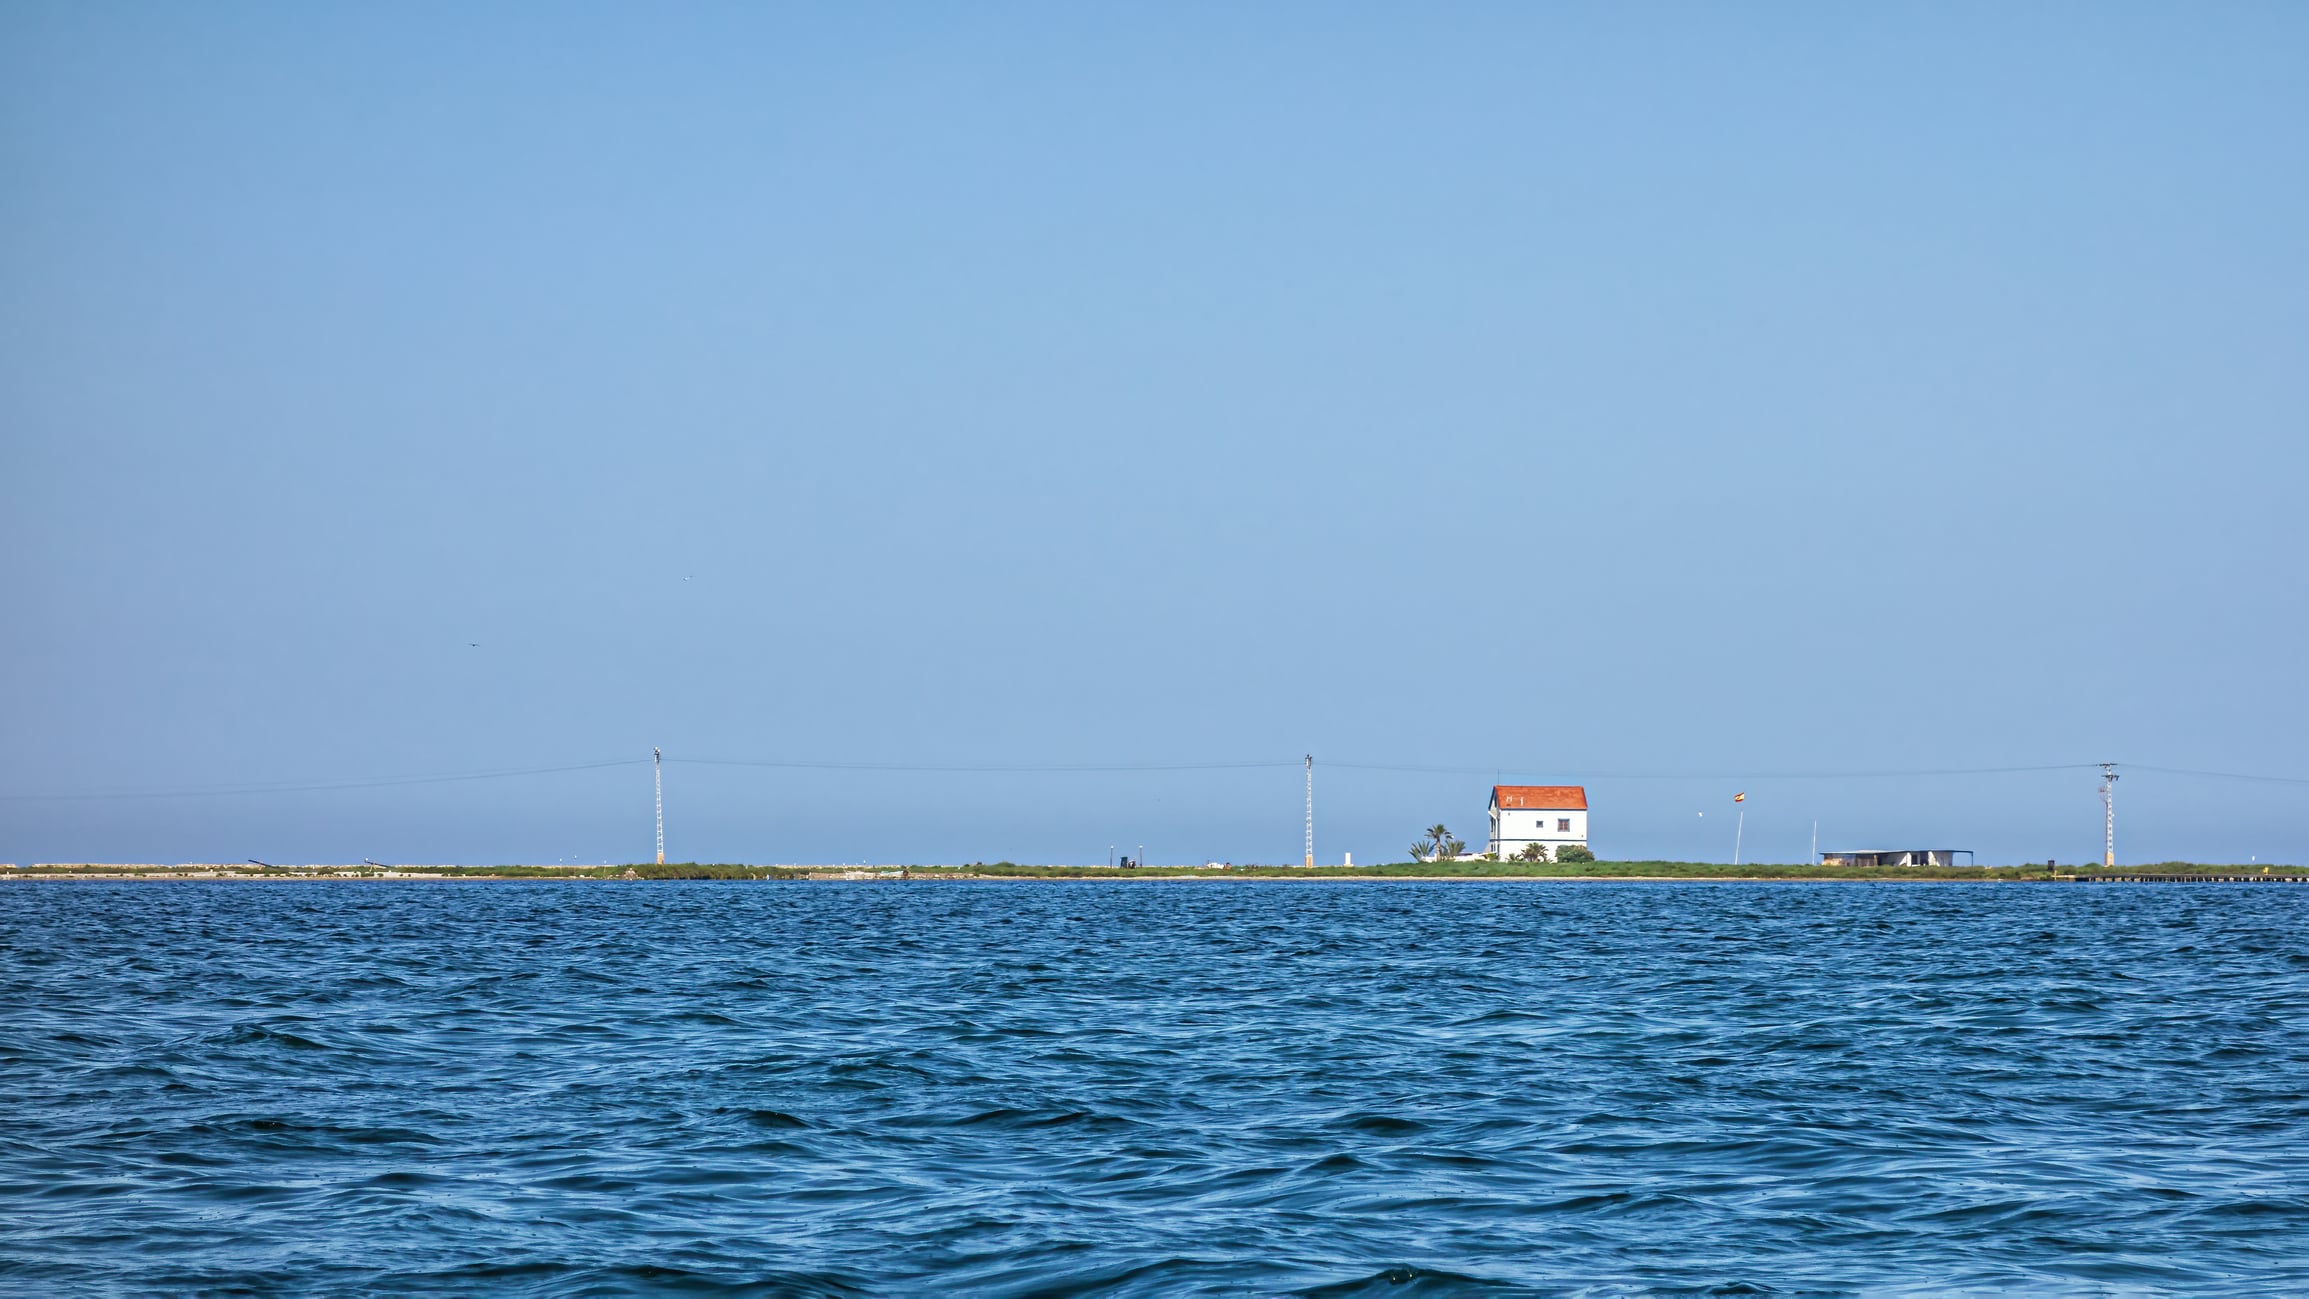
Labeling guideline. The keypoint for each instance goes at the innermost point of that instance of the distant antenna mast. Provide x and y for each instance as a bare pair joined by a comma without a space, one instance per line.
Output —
2109,815
1310,809
657,772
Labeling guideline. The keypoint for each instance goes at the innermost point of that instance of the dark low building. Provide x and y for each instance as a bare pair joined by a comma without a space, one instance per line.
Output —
1899,857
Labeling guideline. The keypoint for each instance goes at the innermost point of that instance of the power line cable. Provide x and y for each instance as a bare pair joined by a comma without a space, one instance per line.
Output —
226,791
1733,775
982,767
2219,775
220,791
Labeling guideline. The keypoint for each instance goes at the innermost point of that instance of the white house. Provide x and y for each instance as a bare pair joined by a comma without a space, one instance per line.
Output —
1552,816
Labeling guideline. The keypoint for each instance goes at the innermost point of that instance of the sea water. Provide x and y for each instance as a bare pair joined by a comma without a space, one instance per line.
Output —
1152,1088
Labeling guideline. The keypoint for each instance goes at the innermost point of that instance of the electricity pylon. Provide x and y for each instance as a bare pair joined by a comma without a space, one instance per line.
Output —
657,774
1310,809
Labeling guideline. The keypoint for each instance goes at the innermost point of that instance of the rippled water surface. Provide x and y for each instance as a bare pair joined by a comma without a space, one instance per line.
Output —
1152,1088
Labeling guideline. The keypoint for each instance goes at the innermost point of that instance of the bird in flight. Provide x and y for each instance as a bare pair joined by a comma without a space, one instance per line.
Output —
474,644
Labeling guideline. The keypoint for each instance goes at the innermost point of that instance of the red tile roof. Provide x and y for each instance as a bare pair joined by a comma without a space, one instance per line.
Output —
1552,798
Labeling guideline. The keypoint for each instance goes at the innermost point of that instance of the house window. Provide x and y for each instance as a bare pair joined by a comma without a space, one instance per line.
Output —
1563,825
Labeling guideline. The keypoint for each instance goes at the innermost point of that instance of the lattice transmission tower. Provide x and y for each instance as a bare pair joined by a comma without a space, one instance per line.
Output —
1310,809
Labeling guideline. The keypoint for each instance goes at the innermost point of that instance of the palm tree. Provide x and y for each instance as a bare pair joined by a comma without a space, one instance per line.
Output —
1438,839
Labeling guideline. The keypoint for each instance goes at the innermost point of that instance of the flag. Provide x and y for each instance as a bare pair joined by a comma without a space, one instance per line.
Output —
1739,798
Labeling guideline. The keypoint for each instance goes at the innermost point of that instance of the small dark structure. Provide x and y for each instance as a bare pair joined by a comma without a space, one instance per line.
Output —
1898,857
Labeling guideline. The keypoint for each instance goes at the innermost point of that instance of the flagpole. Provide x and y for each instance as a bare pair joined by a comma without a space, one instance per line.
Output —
1736,833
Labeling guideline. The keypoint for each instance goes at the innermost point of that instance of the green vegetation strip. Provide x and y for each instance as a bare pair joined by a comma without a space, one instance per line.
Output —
1596,870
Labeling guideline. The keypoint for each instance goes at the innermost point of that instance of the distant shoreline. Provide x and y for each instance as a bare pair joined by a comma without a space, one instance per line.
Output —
1461,872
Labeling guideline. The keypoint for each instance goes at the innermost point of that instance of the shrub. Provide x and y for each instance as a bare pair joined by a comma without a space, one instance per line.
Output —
1574,852
1532,852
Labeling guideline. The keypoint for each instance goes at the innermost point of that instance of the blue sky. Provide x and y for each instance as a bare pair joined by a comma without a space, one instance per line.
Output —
1677,400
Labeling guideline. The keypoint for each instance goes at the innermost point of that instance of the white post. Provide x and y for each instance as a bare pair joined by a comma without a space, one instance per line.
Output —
1741,829
657,775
